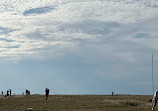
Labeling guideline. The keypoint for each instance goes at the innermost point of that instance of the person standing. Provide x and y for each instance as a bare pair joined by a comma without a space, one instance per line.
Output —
155,98
47,93
7,92
112,93
10,92
27,92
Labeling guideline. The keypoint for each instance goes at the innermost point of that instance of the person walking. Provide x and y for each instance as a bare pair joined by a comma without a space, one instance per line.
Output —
47,93
155,98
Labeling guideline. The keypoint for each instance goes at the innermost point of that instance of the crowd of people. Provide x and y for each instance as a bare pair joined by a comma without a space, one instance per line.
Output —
9,93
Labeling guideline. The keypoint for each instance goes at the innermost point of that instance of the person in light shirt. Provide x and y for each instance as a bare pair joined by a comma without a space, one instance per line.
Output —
155,98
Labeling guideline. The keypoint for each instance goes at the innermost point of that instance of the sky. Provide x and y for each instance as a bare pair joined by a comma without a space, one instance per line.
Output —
78,46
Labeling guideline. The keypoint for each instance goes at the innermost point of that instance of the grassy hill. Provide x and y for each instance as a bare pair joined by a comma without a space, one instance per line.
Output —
77,103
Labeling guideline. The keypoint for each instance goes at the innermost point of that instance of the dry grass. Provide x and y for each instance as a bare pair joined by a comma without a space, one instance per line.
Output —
76,103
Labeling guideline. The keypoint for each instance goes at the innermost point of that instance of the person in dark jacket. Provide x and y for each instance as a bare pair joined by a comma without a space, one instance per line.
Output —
7,92
47,93
10,91
27,92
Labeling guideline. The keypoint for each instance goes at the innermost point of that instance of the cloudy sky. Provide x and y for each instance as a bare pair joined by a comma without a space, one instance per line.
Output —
78,46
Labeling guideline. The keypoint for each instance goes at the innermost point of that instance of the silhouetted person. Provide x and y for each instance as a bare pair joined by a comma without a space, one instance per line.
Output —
10,92
2,92
47,93
7,92
112,93
155,98
27,92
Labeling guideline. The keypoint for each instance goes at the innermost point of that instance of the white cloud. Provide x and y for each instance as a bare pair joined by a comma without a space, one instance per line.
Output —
99,24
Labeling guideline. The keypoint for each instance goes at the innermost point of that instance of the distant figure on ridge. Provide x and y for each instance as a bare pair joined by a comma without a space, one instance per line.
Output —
47,93
27,92
2,92
155,98
7,92
10,92
112,93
